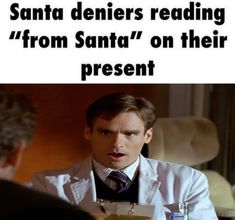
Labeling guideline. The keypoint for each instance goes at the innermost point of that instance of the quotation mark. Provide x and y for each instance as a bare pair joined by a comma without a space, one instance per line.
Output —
136,35
15,35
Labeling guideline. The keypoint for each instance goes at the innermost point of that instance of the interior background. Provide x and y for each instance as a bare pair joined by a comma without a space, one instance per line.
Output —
58,141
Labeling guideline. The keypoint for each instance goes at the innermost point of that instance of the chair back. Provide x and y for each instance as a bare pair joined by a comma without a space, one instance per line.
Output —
184,140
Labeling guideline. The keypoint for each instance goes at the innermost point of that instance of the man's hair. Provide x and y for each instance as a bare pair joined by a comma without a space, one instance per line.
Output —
109,106
17,120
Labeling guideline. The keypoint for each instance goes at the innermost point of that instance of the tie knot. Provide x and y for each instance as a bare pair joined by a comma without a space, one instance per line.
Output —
121,179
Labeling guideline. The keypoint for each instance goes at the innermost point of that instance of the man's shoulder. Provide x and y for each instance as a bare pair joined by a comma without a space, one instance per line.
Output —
18,190
164,167
6,186
57,172
24,203
61,176
56,175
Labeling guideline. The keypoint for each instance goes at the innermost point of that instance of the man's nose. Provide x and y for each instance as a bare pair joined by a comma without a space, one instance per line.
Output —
118,140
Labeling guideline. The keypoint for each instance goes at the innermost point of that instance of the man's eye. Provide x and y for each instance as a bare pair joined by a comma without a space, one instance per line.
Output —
129,134
105,133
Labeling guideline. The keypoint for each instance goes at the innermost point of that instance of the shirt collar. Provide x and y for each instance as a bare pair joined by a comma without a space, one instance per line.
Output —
103,171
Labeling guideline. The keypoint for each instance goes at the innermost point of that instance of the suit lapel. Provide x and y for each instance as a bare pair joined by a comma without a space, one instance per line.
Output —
149,193
81,189
82,186
148,183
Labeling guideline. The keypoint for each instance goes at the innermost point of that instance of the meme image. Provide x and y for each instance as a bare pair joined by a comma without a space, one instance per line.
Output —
117,110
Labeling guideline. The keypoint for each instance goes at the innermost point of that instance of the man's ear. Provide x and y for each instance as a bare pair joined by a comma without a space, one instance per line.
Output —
87,133
10,165
148,135
14,158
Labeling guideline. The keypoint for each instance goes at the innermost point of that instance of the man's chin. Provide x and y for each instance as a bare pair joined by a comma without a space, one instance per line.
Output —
118,165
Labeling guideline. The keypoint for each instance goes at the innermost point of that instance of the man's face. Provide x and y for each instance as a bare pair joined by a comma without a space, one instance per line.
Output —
116,143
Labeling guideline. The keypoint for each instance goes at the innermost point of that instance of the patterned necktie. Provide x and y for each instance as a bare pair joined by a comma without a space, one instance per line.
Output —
121,179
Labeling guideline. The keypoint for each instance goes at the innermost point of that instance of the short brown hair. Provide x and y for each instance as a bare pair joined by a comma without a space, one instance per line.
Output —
17,120
109,106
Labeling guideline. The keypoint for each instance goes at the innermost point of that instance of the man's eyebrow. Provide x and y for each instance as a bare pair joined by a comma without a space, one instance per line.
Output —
104,129
124,131
131,131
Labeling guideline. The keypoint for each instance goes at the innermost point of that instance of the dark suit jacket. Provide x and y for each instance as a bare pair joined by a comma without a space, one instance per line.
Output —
21,203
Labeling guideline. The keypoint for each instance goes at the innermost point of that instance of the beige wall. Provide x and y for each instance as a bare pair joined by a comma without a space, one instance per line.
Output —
58,141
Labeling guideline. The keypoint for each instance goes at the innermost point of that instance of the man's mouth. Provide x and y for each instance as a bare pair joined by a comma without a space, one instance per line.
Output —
116,156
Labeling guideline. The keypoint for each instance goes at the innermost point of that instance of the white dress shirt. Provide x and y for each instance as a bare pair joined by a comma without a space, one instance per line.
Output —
103,172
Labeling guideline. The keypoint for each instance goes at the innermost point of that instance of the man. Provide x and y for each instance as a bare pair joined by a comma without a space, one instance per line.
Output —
17,123
118,125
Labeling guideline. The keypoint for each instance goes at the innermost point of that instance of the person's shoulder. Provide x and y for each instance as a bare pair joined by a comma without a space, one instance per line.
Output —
8,185
21,191
56,172
58,176
177,169
70,170
55,175
43,204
